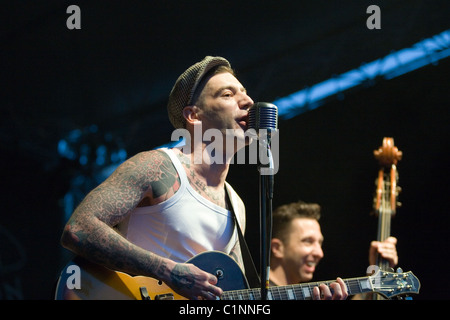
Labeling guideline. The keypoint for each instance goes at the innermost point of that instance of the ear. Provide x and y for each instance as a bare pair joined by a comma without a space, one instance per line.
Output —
190,113
277,248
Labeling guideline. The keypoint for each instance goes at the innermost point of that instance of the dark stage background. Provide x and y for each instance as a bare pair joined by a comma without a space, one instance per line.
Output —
111,78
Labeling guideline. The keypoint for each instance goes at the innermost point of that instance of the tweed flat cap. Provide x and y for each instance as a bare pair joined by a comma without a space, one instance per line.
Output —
185,86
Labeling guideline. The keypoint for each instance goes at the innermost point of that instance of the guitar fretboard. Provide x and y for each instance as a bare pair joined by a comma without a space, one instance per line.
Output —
297,291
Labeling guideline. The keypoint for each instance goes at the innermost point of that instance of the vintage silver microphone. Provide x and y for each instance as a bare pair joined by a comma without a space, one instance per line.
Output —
263,115
262,126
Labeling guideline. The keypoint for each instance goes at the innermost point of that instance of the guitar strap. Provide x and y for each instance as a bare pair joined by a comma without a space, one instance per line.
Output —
253,278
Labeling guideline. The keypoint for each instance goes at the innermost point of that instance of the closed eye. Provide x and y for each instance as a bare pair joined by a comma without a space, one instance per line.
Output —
228,91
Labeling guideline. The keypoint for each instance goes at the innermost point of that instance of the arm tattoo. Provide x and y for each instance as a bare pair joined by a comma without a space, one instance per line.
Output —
181,277
167,181
90,232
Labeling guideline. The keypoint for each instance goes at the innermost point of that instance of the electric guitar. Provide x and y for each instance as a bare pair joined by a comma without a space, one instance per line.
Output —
81,280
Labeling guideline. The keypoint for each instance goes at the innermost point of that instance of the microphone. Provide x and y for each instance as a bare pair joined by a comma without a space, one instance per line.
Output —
263,126
263,115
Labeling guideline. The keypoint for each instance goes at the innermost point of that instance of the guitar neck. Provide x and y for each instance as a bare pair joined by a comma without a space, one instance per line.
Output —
302,291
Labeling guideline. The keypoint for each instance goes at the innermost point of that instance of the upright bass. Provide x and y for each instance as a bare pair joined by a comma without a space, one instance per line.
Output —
385,199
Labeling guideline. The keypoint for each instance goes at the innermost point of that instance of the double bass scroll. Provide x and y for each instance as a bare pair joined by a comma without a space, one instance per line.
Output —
386,186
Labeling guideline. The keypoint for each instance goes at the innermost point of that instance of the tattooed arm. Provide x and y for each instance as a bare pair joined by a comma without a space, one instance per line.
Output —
149,178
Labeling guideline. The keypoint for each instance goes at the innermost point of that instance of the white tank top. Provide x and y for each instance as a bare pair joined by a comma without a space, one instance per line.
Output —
186,224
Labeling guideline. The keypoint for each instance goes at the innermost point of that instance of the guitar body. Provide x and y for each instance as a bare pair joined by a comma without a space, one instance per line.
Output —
99,283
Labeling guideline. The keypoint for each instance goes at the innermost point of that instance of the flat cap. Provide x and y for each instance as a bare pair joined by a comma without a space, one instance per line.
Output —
185,86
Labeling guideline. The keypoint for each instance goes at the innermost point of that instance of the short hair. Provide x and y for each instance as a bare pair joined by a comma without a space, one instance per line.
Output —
285,214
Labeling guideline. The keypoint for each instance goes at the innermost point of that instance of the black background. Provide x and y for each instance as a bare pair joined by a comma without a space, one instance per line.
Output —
116,73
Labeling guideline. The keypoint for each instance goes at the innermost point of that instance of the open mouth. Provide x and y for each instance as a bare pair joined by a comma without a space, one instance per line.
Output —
243,122
311,266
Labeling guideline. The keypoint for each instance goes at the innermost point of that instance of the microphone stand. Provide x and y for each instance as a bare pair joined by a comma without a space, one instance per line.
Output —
265,198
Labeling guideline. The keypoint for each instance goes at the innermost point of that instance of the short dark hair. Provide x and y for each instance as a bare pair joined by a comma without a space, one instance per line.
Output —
284,214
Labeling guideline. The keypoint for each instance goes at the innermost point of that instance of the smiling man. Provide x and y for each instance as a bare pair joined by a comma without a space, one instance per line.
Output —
297,247
296,243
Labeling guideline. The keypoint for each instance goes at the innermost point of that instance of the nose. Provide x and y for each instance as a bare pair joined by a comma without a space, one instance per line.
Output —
246,102
317,251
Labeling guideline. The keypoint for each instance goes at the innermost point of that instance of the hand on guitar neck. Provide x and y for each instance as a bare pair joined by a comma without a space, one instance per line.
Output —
386,250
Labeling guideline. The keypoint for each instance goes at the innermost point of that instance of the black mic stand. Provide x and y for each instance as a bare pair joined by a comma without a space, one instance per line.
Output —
265,198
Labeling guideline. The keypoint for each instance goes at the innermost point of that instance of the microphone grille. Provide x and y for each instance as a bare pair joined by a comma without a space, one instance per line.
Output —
263,115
